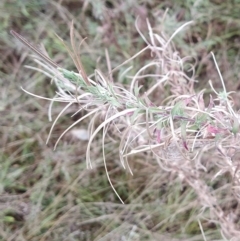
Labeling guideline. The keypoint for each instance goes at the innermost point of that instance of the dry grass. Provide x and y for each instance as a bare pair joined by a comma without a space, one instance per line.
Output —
180,145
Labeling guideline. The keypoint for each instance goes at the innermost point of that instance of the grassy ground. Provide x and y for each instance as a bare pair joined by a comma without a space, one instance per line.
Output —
51,195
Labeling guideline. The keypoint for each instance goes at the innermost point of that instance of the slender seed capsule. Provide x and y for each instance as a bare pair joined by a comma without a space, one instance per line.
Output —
35,50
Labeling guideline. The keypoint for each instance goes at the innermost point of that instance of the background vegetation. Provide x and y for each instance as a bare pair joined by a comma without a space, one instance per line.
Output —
51,195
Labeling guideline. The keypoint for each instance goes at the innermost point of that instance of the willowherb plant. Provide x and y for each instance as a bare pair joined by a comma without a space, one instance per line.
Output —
178,130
